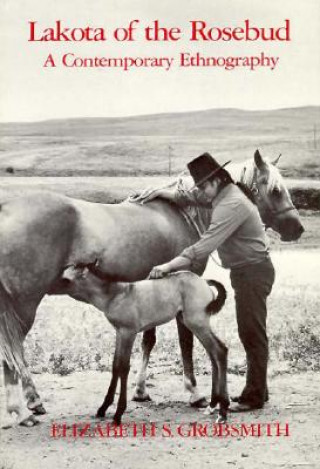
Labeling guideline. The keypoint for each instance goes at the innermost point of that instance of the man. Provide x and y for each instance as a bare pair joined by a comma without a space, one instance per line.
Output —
237,233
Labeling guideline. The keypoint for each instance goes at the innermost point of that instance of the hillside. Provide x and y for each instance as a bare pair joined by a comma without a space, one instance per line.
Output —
146,144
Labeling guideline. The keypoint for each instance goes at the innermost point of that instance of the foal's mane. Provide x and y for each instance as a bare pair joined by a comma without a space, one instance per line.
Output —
93,268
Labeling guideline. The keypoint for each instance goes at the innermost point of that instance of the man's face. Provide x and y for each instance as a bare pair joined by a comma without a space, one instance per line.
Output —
209,189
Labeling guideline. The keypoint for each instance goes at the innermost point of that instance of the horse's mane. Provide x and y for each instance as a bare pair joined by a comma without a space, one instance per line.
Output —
274,177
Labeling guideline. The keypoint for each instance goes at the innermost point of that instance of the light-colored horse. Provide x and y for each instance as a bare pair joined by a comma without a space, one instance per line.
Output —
44,232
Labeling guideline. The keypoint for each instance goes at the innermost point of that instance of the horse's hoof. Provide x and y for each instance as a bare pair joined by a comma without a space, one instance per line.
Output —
38,410
101,413
221,419
201,403
141,397
29,421
209,410
117,420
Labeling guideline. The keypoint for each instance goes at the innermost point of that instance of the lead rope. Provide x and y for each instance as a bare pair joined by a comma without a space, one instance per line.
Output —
215,261
200,234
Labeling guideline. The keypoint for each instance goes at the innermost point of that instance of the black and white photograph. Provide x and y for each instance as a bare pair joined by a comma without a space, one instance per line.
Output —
159,234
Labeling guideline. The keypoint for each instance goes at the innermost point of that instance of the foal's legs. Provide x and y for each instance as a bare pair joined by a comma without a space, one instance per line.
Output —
121,365
190,383
148,342
186,345
217,352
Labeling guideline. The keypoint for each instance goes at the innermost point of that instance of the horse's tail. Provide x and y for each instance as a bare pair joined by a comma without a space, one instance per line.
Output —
11,335
216,304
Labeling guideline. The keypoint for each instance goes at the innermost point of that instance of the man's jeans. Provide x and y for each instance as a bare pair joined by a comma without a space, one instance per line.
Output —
252,285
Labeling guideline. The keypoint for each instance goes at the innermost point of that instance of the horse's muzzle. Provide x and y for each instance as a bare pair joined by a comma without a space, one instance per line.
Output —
290,230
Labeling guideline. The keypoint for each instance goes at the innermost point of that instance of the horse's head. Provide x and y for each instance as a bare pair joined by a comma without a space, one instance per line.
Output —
273,199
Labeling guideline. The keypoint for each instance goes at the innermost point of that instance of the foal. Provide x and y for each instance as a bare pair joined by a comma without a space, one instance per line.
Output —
136,307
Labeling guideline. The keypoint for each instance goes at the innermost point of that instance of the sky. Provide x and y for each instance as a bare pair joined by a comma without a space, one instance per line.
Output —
31,92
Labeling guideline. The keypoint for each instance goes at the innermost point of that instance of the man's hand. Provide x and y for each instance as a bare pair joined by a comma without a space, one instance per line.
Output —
146,196
160,271
150,194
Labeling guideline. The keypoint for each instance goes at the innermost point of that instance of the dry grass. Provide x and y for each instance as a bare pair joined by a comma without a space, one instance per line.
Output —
142,145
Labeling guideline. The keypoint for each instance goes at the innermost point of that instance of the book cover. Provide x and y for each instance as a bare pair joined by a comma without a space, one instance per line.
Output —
99,101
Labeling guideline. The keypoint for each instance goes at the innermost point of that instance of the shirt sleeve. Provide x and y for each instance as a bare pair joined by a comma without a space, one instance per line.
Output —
183,198
227,216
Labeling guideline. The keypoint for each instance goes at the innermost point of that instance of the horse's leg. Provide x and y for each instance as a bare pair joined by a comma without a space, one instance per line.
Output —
16,411
30,393
126,343
13,328
32,397
148,342
190,383
120,369
217,352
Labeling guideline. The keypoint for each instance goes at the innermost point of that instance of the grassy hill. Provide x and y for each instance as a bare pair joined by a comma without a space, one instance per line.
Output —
144,145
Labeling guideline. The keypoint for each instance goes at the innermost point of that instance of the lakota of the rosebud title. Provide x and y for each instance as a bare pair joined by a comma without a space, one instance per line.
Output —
197,31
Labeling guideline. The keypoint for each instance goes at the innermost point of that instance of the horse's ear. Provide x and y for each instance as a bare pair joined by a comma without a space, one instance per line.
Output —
85,272
259,161
69,273
276,161
92,265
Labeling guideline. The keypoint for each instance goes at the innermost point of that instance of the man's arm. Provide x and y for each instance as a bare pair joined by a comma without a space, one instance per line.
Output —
226,218
178,263
180,197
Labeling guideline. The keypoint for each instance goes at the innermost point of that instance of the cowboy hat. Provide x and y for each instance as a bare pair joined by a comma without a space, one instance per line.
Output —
204,167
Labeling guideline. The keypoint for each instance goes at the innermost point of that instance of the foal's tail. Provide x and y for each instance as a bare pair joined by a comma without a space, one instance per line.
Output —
11,336
215,305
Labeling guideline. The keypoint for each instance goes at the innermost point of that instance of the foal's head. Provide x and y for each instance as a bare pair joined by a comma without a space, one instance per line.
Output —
81,281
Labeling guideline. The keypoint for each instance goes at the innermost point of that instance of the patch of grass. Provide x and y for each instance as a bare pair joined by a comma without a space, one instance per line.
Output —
306,198
142,145
302,349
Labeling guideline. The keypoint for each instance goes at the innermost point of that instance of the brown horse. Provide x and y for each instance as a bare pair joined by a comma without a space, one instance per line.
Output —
42,233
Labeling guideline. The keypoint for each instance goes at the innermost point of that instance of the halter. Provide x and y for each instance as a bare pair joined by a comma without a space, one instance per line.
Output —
255,192
284,210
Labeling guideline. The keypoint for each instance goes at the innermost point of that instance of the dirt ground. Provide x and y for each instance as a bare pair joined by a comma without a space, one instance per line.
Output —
175,437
